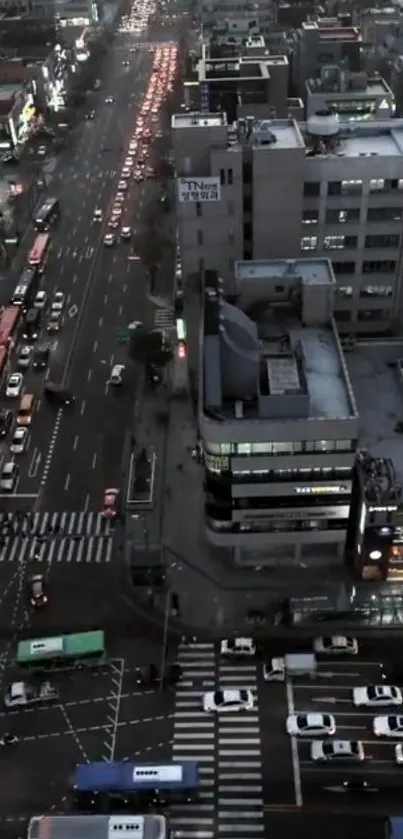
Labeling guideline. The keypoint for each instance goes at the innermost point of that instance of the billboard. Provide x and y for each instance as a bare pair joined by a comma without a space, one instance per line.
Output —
193,190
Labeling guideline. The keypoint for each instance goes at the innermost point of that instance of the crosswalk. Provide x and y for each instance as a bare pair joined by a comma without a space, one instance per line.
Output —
227,748
66,537
164,318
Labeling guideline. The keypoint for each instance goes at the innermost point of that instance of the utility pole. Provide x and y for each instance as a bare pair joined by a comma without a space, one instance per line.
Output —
165,639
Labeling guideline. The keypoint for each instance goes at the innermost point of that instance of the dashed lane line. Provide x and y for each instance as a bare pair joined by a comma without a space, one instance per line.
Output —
70,731
74,733
79,703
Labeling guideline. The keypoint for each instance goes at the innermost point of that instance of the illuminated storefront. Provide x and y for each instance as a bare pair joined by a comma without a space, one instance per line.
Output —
15,127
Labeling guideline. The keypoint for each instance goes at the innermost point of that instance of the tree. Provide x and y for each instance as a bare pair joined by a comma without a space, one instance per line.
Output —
150,243
147,347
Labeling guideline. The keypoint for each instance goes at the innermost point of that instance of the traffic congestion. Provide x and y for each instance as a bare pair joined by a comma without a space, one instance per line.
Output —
32,324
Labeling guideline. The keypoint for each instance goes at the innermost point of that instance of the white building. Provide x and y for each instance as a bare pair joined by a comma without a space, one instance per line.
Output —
270,189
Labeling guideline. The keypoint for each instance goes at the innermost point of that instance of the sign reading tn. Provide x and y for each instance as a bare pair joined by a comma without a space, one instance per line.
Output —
192,190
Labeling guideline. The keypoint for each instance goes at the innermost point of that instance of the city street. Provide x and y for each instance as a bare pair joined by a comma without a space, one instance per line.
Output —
101,715
72,457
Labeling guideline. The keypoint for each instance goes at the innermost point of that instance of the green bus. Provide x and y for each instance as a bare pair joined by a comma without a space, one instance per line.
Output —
62,652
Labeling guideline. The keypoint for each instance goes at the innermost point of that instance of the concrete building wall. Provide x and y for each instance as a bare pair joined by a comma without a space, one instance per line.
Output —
277,190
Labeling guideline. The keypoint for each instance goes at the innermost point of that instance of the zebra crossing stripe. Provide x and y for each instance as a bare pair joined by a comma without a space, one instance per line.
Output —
67,537
226,746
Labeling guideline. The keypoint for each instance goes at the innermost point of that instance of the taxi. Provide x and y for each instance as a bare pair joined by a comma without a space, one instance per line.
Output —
110,509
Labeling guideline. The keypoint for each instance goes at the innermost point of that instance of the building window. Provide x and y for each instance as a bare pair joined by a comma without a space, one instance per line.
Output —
395,183
244,448
231,237
342,216
201,264
198,209
376,291
351,187
370,315
310,217
222,177
283,448
230,180
334,188
344,291
199,237
187,165
311,189
231,264
379,214
376,185
379,266
382,240
247,231
309,243
342,316
247,204
334,243
231,208
342,268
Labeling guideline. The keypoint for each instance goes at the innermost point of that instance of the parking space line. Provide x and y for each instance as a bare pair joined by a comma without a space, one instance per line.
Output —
294,748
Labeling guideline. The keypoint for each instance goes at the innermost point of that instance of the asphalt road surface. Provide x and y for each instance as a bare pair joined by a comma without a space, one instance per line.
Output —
73,456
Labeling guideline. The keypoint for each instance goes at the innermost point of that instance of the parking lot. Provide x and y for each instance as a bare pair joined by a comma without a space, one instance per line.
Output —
101,714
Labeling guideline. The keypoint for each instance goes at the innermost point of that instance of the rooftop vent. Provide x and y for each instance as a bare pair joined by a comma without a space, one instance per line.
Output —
324,124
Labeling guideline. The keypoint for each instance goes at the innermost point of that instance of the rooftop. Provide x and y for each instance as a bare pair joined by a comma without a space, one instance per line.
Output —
280,133
231,69
378,387
311,271
268,353
356,86
196,118
383,139
332,33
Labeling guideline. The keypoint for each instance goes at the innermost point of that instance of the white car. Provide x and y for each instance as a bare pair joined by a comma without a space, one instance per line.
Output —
139,177
58,301
40,300
19,441
98,214
310,725
388,726
55,321
125,173
25,356
228,700
399,754
336,645
238,647
116,377
337,751
8,476
375,696
125,233
14,386
109,240
122,186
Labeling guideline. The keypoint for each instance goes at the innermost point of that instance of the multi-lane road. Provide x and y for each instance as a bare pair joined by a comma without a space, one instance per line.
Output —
252,773
74,455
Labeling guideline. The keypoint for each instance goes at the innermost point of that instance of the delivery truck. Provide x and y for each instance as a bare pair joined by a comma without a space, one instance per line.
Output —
290,666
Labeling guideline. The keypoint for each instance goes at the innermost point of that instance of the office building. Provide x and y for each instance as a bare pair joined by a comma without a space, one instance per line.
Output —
242,19
354,96
232,85
270,189
321,43
77,12
277,415
298,476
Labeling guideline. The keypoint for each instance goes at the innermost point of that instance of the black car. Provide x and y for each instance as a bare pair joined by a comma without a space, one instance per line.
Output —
90,115
37,591
6,419
58,395
41,357
352,785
